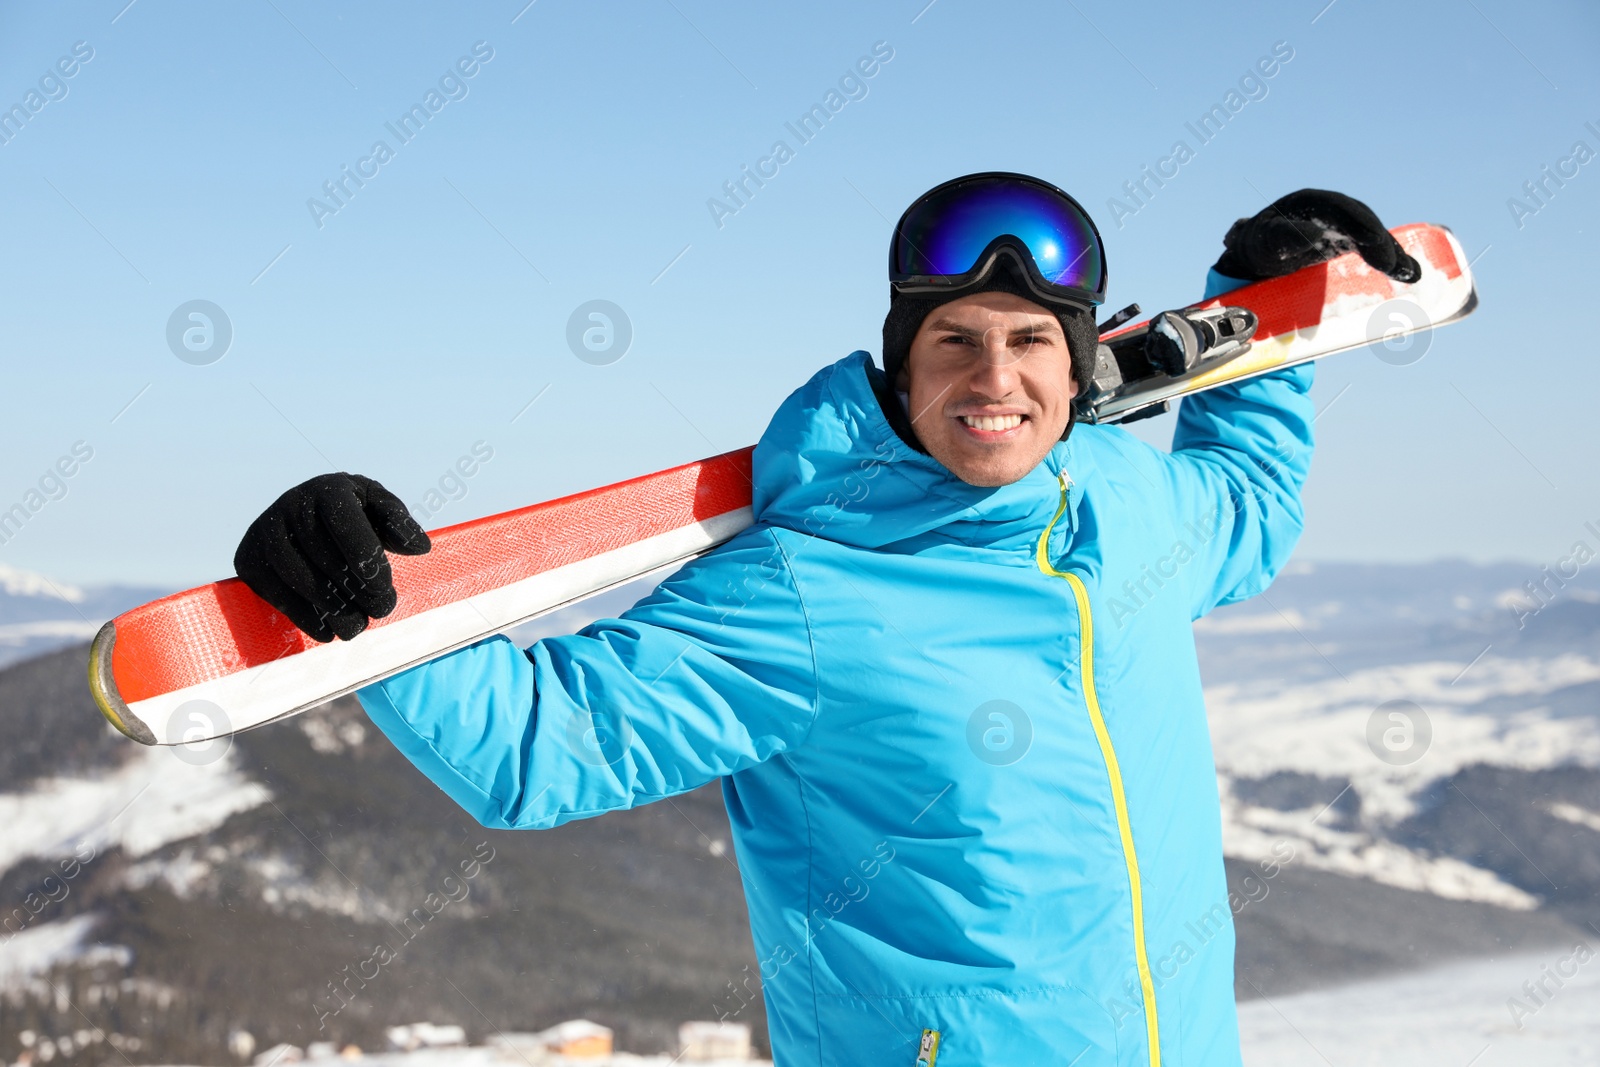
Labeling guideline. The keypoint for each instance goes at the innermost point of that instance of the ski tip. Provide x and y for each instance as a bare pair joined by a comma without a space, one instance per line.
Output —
103,687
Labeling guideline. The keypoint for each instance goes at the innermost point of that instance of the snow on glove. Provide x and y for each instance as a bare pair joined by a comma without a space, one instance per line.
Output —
317,554
1308,227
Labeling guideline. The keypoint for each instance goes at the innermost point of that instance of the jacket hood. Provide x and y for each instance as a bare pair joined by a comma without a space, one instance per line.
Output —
830,465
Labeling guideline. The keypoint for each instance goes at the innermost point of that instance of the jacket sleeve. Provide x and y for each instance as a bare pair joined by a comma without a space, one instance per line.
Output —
1240,455
710,674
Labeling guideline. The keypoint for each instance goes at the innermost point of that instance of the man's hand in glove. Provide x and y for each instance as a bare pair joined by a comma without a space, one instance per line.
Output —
317,554
1307,227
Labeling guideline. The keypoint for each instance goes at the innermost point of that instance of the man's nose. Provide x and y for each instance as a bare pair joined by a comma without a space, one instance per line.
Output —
998,373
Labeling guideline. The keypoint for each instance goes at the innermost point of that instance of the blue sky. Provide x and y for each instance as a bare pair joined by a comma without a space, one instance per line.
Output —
575,163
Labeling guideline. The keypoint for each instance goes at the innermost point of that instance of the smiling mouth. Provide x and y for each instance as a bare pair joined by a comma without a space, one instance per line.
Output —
992,423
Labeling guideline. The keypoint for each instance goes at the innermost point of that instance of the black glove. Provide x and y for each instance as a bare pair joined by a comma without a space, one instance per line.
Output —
1307,227
317,553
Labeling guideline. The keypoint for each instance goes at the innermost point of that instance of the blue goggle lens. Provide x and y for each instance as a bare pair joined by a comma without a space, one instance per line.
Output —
946,232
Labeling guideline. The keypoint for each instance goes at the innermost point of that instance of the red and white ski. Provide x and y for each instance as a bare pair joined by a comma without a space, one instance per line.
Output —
1318,311
217,659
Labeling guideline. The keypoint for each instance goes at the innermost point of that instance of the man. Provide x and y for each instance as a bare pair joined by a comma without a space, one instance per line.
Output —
948,677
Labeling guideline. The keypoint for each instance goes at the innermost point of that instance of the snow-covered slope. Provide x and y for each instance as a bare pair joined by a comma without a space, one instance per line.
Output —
1343,700
1537,1008
166,902
151,800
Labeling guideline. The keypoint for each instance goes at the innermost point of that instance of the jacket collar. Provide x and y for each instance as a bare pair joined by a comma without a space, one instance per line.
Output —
831,465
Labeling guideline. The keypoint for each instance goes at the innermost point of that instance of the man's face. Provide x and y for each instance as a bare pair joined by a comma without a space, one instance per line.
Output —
991,386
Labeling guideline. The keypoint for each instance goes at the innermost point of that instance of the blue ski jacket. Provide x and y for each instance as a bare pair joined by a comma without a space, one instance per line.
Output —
959,730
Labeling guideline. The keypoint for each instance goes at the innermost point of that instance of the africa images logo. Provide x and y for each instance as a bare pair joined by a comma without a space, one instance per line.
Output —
451,86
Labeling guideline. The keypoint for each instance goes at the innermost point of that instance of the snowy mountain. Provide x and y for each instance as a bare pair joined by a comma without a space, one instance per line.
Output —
172,902
38,614
165,902
1425,742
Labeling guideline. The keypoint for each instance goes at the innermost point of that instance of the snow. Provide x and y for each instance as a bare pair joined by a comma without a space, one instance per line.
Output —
1255,834
285,885
479,1056
1451,1017
1574,814
16,582
1260,623
36,949
17,634
185,874
151,800
1321,728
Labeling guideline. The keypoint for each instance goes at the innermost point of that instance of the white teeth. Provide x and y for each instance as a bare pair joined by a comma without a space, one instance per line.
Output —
992,422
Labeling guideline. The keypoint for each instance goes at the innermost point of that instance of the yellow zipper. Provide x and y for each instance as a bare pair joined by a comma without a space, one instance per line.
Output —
1118,796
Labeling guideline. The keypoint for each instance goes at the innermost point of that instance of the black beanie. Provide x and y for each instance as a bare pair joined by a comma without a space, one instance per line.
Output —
907,312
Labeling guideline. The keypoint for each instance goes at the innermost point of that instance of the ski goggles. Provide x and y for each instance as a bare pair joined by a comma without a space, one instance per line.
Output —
952,236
